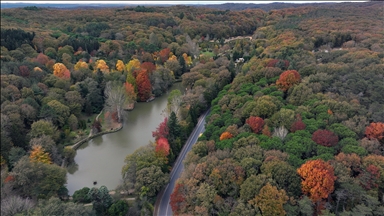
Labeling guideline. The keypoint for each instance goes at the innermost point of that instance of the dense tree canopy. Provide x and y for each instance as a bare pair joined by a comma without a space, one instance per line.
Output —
291,90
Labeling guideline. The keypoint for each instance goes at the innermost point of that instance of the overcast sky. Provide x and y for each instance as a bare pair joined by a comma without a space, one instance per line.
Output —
163,2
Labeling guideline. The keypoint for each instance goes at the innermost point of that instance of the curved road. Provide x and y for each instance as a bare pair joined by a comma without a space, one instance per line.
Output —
162,207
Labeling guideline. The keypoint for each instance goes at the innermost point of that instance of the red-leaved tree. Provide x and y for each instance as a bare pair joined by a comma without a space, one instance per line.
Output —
288,79
42,59
325,138
278,63
162,130
375,130
297,125
144,87
256,123
149,66
24,71
177,198
369,177
162,147
164,54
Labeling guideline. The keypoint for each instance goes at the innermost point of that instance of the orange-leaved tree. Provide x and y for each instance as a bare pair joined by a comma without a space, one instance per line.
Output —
266,131
130,92
375,130
317,179
288,79
164,54
61,71
226,135
38,155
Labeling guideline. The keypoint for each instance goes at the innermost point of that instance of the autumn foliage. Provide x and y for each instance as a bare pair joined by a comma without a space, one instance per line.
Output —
9,179
369,177
375,130
24,71
80,64
177,198
266,131
130,92
226,135
38,155
317,179
162,130
288,79
297,125
61,71
270,200
278,63
132,65
42,59
120,66
148,66
164,54
325,138
144,87
102,66
256,123
162,146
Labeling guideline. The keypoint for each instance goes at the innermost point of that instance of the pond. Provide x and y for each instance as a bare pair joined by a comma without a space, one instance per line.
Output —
101,159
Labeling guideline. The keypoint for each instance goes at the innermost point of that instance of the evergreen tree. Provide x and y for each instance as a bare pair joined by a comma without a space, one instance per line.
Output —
175,133
183,68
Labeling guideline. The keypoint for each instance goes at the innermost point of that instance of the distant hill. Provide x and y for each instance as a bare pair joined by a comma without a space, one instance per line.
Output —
69,6
226,6
265,7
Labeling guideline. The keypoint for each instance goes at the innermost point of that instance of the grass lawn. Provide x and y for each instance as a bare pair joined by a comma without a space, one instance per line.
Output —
210,54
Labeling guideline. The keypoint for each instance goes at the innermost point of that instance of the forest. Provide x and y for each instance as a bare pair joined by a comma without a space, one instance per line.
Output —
296,123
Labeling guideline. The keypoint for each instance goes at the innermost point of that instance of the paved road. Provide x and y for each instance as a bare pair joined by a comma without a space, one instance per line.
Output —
163,208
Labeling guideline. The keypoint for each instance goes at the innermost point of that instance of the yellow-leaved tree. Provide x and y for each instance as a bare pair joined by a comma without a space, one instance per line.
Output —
187,59
120,66
102,65
37,69
39,155
80,64
132,65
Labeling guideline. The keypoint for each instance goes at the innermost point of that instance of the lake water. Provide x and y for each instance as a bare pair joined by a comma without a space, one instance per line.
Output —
102,158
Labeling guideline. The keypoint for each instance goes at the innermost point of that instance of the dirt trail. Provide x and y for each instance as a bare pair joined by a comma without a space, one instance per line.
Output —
235,38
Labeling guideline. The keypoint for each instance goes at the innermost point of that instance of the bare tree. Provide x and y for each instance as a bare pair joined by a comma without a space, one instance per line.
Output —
194,47
15,204
115,98
174,102
280,132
